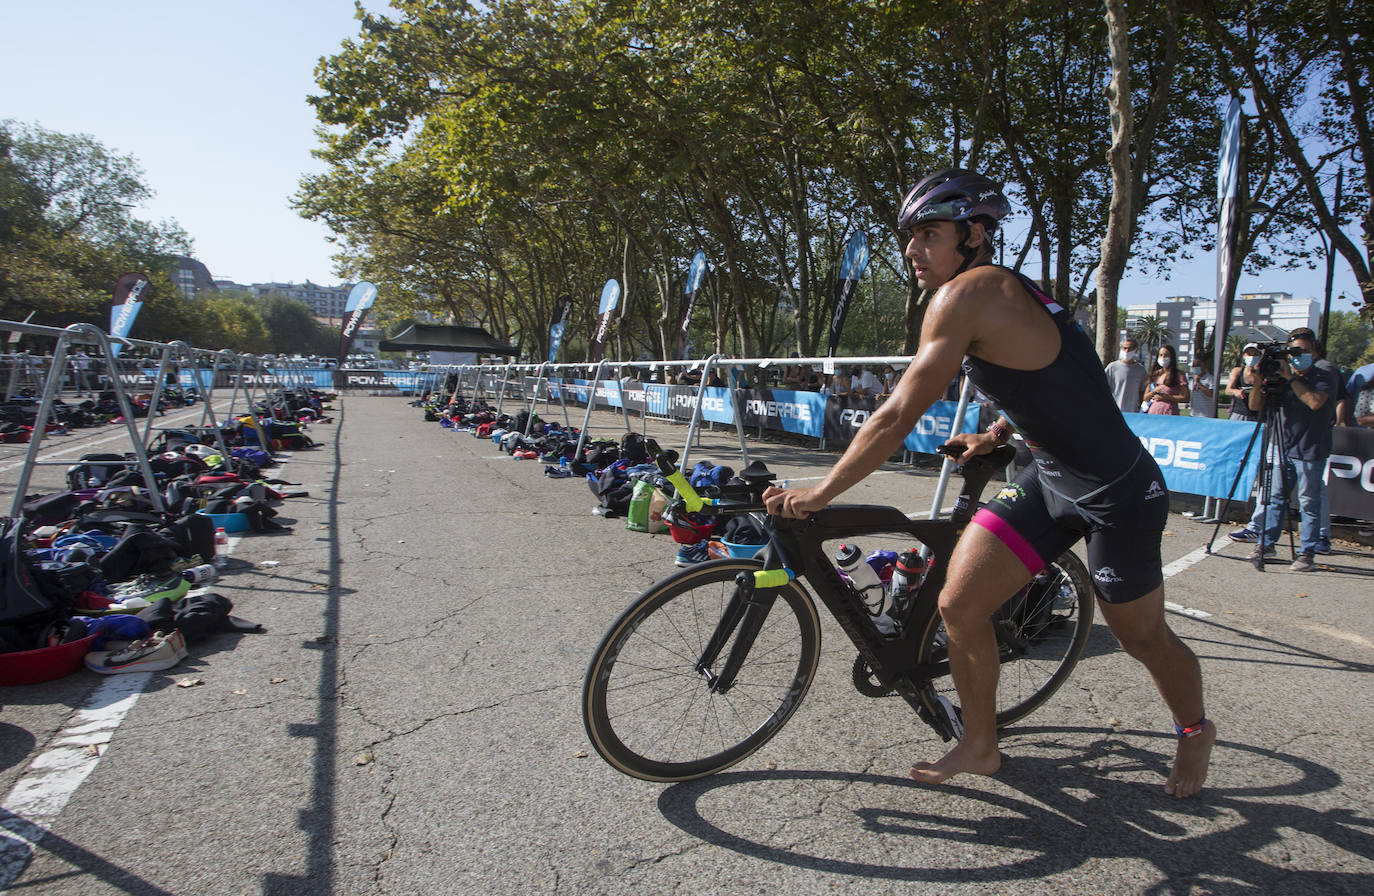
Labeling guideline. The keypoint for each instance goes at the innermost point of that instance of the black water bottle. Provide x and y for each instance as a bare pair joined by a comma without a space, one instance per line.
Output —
907,577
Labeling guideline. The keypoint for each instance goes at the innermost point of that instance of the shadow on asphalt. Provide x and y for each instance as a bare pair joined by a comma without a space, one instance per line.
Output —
1077,806
316,820
1266,650
83,860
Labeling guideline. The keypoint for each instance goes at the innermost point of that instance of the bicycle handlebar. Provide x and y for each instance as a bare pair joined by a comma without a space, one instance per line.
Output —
749,498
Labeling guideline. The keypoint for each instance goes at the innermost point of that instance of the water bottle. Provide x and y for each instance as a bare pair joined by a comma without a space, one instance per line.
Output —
867,582
199,575
221,545
907,577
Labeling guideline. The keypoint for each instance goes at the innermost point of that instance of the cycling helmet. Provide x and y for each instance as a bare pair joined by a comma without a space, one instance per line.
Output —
952,194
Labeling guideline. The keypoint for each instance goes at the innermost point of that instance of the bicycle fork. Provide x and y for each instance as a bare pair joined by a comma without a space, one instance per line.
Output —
744,616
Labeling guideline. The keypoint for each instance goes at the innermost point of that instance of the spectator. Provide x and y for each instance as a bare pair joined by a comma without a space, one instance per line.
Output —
1243,378
890,378
1306,435
864,383
1126,377
1202,388
81,371
793,377
1167,387
1357,408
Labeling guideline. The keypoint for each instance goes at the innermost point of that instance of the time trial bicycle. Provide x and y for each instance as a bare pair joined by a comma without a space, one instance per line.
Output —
708,664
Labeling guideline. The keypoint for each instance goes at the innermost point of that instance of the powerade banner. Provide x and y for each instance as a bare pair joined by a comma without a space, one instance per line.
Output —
560,320
1350,472
1196,455
360,298
938,424
610,297
128,301
784,409
1231,198
851,270
689,301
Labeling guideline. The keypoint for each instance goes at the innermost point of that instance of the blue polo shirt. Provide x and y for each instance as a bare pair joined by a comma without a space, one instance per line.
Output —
1307,433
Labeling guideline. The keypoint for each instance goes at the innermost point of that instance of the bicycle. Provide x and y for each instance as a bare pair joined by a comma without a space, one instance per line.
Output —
708,664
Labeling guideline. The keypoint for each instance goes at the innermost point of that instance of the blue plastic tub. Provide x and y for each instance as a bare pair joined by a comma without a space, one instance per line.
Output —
229,522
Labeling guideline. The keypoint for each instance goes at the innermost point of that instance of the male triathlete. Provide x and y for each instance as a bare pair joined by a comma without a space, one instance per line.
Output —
1091,478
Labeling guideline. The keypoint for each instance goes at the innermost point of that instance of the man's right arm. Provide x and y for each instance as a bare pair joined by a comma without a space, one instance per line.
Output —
946,338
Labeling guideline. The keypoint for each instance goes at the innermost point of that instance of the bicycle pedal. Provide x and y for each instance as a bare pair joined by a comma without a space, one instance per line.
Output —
954,719
946,719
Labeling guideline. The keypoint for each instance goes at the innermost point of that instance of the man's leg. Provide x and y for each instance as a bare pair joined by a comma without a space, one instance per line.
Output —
1144,634
983,573
1311,503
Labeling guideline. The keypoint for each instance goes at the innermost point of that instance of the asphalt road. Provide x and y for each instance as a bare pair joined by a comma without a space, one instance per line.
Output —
410,724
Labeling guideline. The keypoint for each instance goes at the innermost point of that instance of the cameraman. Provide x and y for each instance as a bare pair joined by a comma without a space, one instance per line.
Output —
1306,394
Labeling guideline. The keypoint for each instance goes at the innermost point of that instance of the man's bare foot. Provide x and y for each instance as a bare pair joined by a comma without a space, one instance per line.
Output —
1190,763
962,759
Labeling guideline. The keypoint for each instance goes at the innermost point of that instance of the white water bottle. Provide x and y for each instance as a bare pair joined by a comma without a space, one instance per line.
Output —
199,575
867,582
221,545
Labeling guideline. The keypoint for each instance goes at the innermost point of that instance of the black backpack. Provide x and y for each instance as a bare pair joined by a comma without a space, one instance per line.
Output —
634,449
22,601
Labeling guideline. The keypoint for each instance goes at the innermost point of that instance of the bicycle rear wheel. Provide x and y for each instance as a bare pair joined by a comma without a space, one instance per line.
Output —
652,715
1043,630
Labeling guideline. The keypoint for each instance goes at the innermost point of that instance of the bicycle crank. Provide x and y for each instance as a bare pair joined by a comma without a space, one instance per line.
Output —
866,682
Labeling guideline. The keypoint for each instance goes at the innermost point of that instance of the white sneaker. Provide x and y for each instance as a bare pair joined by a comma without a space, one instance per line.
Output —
151,654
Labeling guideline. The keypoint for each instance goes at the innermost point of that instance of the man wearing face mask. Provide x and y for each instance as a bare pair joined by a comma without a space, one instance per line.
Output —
1127,377
1308,396
864,383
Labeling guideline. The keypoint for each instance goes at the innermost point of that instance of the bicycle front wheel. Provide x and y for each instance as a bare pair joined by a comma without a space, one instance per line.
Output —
650,713
1042,632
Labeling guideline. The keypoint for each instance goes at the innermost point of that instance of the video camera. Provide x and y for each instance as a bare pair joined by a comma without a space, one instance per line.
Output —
1269,366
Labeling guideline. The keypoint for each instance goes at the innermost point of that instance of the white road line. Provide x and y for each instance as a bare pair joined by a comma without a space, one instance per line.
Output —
1182,563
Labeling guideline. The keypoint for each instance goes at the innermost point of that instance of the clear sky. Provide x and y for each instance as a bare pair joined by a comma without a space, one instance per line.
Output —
210,99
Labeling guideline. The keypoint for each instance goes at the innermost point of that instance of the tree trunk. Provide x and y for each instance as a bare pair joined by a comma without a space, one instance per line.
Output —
1116,239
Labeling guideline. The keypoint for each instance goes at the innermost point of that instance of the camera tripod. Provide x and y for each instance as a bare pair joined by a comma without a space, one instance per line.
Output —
1273,450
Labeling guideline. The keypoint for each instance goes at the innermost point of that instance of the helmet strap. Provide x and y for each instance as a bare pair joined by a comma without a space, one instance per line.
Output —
970,253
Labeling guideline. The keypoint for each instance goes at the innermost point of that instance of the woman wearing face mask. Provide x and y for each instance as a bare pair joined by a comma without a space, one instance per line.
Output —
1243,378
1167,386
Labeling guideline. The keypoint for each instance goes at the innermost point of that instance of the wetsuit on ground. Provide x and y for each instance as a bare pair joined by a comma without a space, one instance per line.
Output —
1091,478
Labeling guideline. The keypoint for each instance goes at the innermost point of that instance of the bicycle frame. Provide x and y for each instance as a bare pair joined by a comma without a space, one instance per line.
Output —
797,547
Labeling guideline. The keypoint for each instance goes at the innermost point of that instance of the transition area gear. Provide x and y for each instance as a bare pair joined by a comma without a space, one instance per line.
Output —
952,194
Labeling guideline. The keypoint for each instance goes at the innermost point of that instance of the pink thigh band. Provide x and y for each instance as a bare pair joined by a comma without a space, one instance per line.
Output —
1011,538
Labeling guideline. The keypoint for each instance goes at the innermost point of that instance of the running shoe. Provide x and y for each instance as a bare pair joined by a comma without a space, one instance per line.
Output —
1323,546
1246,535
1304,563
151,654
1268,551
689,554
148,588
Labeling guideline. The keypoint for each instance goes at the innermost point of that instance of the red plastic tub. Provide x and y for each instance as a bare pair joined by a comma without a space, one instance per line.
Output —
43,664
